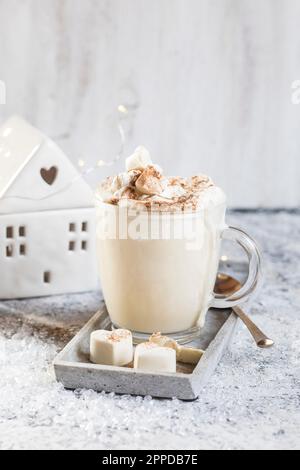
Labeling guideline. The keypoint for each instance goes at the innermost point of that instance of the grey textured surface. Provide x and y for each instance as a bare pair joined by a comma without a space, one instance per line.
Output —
252,401
74,370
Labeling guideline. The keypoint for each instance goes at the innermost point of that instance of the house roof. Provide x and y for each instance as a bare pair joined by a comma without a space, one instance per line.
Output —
26,156
19,142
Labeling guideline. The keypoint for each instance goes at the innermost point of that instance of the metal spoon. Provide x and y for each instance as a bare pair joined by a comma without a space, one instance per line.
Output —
226,285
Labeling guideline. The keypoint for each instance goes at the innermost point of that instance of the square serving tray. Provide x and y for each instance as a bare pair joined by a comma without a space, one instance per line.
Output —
75,371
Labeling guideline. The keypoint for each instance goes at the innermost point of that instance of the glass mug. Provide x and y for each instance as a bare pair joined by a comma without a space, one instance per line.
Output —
158,270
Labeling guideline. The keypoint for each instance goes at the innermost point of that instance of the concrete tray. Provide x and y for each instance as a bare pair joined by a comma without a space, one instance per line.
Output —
74,369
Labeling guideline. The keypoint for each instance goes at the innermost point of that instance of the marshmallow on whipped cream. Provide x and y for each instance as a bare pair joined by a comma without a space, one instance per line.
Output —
113,348
139,160
144,186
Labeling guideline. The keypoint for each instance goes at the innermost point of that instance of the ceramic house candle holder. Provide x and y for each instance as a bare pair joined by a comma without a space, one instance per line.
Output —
47,219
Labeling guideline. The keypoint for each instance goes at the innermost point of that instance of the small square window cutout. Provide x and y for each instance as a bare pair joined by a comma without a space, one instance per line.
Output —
9,232
9,251
84,245
72,227
72,246
84,227
22,250
22,231
47,277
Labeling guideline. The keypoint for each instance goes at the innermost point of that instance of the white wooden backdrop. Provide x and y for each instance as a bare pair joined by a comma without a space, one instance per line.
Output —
208,83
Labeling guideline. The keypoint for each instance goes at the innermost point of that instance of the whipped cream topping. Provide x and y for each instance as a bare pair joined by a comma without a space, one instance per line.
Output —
144,186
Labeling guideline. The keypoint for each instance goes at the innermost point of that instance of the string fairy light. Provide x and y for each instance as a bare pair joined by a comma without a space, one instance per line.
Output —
123,112
81,163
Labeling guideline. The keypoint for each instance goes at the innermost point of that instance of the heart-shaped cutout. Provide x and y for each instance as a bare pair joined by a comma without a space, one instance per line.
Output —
50,175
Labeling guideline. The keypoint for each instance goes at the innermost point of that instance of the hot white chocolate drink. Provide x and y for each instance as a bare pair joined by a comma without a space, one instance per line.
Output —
158,246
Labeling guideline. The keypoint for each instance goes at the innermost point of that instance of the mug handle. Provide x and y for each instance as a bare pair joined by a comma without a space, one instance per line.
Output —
254,273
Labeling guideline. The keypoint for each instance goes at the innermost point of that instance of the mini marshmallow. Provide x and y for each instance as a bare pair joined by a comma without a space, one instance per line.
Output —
139,160
183,354
113,348
151,356
149,182
123,180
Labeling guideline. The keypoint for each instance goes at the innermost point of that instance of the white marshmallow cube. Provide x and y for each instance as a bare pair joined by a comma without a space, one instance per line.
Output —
113,348
139,160
151,356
